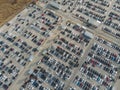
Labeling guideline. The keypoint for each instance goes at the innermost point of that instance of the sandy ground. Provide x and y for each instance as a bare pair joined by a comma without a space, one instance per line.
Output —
8,10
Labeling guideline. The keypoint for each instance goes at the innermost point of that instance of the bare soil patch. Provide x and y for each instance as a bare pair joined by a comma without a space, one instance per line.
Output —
9,10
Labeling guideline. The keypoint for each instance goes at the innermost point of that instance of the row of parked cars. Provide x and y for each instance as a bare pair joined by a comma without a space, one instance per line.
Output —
13,59
114,16
95,7
109,44
116,8
38,77
70,46
25,18
34,84
61,70
109,31
78,38
71,32
92,9
83,84
100,68
8,69
8,73
38,40
91,73
19,42
104,59
64,55
112,22
102,2
107,53
66,5
91,14
45,23
98,9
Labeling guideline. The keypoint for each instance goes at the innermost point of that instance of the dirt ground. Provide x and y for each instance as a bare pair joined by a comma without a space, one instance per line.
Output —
9,10
117,85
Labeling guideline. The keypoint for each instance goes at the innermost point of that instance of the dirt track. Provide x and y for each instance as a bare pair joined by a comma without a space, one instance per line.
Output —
8,10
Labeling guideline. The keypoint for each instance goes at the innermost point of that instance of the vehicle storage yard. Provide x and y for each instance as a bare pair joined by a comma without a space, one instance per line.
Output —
62,45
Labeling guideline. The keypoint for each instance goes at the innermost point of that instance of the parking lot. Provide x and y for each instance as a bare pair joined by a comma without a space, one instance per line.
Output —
62,57
21,39
56,46
91,14
99,71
